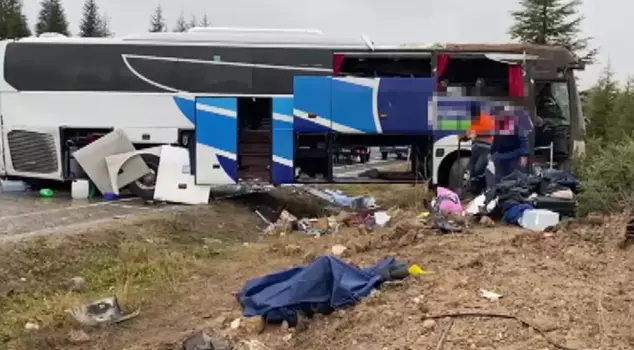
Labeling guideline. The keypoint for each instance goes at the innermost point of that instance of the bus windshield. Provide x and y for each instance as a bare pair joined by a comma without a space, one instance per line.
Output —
553,100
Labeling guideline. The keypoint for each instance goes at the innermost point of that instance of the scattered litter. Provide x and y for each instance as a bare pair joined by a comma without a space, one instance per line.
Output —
102,311
14,186
76,283
203,341
109,196
356,203
538,219
46,193
251,345
31,326
423,214
476,206
77,336
263,218
235,324
322,286
491,296
428,324
381,218
22,279
338,250
416,270
447,202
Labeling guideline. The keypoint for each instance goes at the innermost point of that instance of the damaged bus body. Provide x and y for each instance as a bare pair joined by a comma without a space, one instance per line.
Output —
268,107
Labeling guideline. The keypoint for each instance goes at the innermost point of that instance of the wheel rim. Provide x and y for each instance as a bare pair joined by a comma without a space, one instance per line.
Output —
147,181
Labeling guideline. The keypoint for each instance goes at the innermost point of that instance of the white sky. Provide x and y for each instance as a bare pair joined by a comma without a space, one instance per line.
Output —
381,20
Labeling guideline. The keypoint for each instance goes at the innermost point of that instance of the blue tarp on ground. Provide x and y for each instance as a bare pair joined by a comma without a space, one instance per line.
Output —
327,282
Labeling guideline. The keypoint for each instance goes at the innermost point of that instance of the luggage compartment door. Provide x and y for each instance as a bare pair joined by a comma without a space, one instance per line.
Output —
216,140
283,141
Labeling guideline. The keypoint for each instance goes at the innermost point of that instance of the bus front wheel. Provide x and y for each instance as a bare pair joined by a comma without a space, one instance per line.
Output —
144,187
459,176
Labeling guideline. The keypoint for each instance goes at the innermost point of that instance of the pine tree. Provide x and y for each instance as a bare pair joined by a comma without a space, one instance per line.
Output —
90,25
552,22
52,18
192,22
600,107
104,25
13,23
181,25
205,21
624,113
157,23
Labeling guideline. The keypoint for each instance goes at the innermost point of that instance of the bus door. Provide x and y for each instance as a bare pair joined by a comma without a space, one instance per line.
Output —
216,133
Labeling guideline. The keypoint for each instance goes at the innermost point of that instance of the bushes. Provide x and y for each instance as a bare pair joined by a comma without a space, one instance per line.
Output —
606,173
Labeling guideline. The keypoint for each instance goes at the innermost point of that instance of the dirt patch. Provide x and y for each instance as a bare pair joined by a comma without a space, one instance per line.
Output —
573,284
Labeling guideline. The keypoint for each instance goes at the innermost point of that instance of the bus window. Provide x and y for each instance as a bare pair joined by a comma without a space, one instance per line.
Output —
553,100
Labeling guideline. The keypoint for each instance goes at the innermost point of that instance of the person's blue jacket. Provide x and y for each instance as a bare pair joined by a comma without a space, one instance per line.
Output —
507,147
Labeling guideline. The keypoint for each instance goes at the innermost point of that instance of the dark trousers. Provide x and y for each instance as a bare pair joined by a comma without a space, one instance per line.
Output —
478,165
505,167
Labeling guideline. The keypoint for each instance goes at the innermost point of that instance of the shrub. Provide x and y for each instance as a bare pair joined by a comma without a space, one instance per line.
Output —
606,174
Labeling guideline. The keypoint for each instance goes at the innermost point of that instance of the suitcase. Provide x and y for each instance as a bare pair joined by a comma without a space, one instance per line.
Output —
565,207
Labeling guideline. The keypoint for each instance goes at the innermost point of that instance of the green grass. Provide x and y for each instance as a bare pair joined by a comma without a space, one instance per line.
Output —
129,263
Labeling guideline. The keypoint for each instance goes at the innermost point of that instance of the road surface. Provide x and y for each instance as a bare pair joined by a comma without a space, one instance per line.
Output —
26,214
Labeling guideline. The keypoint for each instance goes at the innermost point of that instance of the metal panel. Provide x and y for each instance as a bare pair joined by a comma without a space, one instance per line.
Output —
282,170
402,104
216,140
311,104
353,105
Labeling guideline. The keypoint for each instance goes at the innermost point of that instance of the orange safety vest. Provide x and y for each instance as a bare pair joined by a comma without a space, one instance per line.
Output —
483,128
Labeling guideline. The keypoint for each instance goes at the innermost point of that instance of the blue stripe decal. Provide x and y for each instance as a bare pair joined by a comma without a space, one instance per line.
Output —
312,95
283,143
281,174
216,130
303,125
352,106
280,124
229,103
283,105
230,166
187,108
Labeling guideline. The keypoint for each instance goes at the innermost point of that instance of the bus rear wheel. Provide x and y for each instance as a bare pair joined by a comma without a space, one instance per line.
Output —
144,187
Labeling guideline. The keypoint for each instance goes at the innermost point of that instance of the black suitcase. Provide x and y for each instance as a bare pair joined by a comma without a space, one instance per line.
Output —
565,207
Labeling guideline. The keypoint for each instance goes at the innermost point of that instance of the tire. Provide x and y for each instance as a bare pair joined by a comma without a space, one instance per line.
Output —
366,158
384,155
458,176
144,187
399,156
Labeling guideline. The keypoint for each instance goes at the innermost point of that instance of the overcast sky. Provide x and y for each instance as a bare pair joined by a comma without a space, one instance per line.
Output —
382,20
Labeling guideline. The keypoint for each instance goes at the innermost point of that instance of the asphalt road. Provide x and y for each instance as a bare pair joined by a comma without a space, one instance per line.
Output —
23,214
28,214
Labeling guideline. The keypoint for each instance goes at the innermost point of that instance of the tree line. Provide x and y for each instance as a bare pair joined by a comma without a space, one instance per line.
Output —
52,19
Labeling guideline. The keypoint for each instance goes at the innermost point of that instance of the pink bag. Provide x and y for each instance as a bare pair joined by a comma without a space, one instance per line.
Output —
448,202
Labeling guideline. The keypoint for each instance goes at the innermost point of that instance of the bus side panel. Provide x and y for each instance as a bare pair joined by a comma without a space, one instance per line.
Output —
282,170
311,104
216,140
354,105
402,104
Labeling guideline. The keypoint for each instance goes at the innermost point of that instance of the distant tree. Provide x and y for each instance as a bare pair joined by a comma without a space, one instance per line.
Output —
52,18
104,25
13,22
205,21
158,22
90,25
192,22
181,25
552,22
600,106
